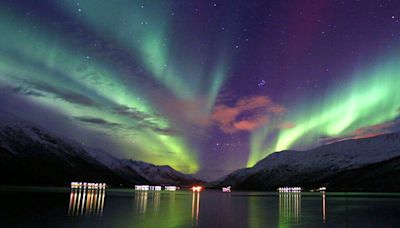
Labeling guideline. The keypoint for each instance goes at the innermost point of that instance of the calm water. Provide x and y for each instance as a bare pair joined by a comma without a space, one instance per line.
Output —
45,207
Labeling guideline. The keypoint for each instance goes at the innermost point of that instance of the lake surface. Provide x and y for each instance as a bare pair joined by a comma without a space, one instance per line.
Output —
56,207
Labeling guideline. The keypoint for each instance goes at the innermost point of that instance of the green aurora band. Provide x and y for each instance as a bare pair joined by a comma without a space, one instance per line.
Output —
145,34
41,61
44,64
372,98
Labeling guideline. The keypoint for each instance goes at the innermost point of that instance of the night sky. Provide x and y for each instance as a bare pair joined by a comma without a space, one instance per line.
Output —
203,86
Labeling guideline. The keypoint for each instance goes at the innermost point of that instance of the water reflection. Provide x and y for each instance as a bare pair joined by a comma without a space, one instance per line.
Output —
182,209
154,208
195,207
143,198
141,202
86,202
289,207
323,207
158,209
156,202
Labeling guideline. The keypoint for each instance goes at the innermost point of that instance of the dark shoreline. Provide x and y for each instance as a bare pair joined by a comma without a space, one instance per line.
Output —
235,193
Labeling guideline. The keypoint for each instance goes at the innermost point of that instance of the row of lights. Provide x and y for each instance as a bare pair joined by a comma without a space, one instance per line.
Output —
289,189
88,185
154,188
166,188
196,188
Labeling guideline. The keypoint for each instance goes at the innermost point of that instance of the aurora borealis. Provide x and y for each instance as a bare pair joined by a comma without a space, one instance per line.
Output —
203,86
356,111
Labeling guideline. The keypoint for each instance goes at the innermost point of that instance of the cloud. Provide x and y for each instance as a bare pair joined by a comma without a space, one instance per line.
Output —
44,91
247,114
142,120
224,115
97,121
127,128
27,92
277,109
249,125
253,102
131,112
366,132
286,125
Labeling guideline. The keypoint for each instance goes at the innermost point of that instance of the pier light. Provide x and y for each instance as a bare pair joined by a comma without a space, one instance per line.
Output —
197,188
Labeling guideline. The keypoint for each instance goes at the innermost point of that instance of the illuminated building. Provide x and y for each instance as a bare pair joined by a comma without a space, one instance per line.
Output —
147,188
142,187
289,189
88,185
170,188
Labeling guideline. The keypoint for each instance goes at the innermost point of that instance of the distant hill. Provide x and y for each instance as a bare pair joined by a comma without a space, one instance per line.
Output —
32,156
370,164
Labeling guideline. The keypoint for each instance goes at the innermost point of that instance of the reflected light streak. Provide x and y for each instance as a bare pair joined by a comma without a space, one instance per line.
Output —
323,207
195,206
141,202
87,202
156,201
147,202
289,207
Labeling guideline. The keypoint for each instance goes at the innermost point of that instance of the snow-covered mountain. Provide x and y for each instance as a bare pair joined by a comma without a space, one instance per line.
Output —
33,156
159,174
320,166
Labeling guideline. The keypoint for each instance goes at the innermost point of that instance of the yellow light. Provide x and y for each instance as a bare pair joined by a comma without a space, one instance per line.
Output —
197,188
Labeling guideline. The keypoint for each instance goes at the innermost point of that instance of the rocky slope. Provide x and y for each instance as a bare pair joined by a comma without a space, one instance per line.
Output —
360,164
32,156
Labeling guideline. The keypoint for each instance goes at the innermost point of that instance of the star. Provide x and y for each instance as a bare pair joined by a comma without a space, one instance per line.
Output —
262,83
173,82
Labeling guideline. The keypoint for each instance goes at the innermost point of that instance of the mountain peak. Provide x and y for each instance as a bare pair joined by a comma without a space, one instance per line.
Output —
301,168
31,155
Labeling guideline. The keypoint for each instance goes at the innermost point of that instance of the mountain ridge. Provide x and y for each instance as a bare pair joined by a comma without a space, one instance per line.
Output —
32,156
318,166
